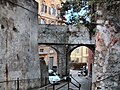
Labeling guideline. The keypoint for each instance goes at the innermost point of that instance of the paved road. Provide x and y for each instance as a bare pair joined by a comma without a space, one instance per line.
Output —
85,82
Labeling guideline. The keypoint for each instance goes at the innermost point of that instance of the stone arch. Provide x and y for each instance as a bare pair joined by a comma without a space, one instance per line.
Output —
63,41
91,47
50,55
90,58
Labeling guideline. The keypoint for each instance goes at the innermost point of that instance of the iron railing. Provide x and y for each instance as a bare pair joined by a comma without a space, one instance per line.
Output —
20,84
68,83
17,84
79,85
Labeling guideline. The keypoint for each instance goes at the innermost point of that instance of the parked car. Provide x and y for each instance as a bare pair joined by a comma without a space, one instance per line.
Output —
53,77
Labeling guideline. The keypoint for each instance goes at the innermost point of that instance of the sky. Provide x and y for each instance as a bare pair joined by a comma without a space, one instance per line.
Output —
82,12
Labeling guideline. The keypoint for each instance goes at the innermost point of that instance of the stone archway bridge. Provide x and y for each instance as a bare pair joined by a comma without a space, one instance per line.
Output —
64,39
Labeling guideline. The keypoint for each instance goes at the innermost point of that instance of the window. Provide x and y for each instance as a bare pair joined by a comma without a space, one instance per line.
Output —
51,51
86,50
42,21
52,74
77,50
49,10
52,10
44,8
41,50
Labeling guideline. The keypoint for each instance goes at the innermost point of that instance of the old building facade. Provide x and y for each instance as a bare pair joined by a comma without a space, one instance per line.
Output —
80,55
48,54
49,12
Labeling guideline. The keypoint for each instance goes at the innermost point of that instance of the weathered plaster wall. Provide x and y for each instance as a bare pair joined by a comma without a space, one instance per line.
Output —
18,44
106,67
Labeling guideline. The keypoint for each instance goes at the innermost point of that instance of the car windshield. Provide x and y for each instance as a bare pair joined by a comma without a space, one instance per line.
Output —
52,74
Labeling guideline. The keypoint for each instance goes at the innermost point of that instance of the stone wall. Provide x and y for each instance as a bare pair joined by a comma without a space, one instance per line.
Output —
61,34
18,44
64,39
106,67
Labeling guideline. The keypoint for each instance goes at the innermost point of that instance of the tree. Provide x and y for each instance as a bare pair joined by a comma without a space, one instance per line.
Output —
79,12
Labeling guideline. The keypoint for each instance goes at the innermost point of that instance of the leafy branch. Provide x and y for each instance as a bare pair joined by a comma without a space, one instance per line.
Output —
75,9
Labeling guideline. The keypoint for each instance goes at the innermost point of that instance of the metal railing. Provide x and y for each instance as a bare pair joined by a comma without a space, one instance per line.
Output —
46,87
79,85
14,83
18,84
68,83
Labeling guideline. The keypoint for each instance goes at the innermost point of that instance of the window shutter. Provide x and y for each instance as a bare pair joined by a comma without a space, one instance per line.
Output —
45,8
50,10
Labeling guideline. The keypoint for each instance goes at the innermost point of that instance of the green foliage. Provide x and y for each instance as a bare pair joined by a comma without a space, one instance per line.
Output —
77,6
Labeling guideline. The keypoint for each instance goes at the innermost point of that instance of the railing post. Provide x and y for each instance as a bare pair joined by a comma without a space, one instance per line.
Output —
69,80
79,86
53,85
68,84
17,83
